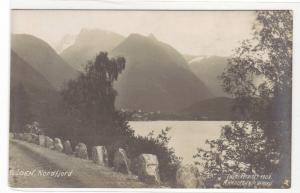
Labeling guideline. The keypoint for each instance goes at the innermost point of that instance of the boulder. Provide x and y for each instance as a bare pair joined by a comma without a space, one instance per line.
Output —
21,136
42,140
34,138
27,137
121,162
99,155
67,147
58,145
49,142
147,168
188,176
81,151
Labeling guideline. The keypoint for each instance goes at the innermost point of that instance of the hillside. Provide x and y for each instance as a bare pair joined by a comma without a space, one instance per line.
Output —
87,44
219,108
42,96
156,77
208,69
22,72
43,59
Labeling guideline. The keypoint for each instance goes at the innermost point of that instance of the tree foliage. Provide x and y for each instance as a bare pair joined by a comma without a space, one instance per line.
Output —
259,77
90,98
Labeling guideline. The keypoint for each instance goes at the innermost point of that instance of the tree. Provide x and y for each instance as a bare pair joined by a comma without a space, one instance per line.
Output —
89,103
259,78
20,110
90,98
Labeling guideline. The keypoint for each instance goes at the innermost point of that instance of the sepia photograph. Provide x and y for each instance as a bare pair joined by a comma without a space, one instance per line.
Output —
190,99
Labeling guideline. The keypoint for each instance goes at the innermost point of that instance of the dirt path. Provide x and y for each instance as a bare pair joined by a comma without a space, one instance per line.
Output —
31,166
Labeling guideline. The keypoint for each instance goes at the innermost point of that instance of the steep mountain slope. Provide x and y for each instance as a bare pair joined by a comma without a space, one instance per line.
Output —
208,69
156,77
42,96
43,58
22,72
219,108
87,44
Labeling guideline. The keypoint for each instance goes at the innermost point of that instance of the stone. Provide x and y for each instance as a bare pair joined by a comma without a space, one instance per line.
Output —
67,147
286,183
99,155
188,176
21,136
81,151
148,171
58,145
121,162
34,138
42,140
27,137
49,142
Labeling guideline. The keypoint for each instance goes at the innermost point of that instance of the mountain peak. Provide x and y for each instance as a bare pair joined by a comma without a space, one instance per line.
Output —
43,58
151,36
135,36
88,43
156,77
87,35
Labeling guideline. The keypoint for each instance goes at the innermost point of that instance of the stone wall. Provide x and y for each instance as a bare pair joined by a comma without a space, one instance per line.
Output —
146,166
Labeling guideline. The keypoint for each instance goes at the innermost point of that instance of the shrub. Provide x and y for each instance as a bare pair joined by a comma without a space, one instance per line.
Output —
168,161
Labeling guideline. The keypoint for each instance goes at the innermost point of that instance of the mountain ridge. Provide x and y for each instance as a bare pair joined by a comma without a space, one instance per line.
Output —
43,58
156,76
208,69
88,43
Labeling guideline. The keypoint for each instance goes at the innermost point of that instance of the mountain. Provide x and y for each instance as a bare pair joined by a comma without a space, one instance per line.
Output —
88,43
189,57
42,96
219,108
156,77
65,42
208,68
43,59
22,72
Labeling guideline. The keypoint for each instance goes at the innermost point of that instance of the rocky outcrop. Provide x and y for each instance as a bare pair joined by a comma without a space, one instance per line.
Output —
58,145
147,168
99,155
188,176
49,142
121,162
81,151
67,147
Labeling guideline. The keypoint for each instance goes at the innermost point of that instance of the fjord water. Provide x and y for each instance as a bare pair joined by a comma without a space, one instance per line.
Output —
186,136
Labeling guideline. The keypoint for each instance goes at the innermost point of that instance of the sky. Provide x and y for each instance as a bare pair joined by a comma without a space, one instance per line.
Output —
190,32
